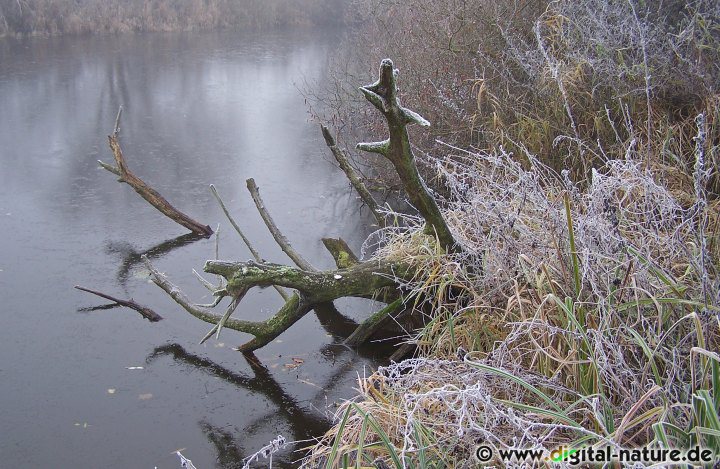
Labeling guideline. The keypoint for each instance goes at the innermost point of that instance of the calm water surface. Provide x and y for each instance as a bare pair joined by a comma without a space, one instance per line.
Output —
198,109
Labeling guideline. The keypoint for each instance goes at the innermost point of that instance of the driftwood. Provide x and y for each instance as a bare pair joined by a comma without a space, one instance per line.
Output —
144,311
152,196
378,279
363,280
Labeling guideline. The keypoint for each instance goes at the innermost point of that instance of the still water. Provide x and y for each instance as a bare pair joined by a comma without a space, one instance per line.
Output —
199,108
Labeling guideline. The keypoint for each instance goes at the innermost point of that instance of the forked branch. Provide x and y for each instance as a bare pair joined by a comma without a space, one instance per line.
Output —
383,95
361,280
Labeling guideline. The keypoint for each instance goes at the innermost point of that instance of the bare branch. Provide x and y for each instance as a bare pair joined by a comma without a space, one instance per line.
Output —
383,95
144,311
276,233
373,324
362,280
146,192
353,176
249,245
117,122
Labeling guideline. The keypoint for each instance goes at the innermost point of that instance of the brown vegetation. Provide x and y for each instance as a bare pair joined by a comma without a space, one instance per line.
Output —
50,17
542,76
578,145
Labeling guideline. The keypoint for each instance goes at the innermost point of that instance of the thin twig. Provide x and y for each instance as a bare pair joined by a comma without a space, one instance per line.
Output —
253,251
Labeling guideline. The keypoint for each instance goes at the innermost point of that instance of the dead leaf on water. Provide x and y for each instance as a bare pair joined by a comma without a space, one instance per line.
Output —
295,363
111,391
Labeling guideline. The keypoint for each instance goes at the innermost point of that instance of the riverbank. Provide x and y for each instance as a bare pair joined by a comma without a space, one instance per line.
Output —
577,146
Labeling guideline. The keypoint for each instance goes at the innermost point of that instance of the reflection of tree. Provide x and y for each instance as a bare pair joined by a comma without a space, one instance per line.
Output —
333,321
305,423
132,257
229,455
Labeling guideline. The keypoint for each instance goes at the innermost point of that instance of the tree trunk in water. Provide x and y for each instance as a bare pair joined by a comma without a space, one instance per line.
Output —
376,278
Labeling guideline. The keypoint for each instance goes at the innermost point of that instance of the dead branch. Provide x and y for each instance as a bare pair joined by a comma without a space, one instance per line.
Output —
353,176
362,280
373,324
383,95
144,311
152,196
313,288
341,252
272,227
253,251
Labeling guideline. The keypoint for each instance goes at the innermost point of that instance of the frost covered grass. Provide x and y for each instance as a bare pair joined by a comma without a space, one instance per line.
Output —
584,308
580,313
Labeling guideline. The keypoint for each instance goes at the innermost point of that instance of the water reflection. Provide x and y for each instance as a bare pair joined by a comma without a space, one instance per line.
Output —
131,257
198,109
263,383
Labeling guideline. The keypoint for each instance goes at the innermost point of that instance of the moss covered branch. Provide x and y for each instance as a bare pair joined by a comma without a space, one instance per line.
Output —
383,95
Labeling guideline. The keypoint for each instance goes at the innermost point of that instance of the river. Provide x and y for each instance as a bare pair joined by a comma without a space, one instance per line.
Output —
82,386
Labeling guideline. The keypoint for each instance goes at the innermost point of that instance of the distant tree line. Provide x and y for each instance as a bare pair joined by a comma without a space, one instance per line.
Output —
50,17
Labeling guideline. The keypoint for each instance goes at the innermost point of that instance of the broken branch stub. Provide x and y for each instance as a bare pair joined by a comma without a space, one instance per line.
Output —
383,95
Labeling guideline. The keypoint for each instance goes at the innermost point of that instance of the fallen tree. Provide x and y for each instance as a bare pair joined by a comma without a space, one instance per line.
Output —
377,278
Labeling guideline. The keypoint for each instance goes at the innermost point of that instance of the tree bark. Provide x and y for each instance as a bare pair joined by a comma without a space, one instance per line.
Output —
376,278
372,324
362,280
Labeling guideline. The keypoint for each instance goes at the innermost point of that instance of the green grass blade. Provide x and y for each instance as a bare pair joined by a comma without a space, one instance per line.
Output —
648,353
515,379
336,444
573,249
